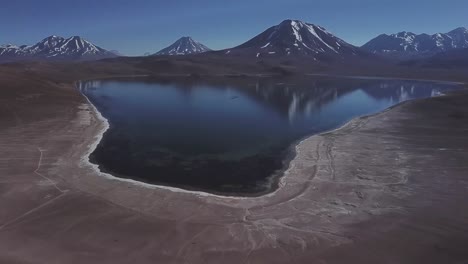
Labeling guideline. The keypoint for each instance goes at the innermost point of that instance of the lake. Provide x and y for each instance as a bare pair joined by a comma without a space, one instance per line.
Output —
229,136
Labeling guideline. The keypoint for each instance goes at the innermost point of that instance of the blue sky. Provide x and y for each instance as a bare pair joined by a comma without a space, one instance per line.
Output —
139,26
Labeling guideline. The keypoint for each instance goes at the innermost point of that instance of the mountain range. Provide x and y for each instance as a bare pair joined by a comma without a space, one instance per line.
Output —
55,48
289,39
184,46
406,45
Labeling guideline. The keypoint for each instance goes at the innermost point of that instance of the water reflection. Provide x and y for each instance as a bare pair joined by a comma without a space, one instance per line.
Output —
227,136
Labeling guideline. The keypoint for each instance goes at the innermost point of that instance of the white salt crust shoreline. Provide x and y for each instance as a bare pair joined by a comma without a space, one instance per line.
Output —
85,159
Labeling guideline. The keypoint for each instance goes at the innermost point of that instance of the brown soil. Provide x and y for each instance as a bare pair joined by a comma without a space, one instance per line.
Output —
390,188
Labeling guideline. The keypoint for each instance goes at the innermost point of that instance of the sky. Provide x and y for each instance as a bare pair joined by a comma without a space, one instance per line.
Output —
135,27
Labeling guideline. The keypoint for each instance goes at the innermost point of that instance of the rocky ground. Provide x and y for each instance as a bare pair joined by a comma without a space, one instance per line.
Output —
389,188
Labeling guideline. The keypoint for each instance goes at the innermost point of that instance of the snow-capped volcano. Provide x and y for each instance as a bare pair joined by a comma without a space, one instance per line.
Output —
294,37
55,48
184,46
407,44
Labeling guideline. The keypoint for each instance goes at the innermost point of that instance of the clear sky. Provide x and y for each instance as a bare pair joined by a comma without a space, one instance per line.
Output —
134,27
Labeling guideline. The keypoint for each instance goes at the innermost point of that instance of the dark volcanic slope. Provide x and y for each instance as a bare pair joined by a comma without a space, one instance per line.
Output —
296,38
407,44
452,59
184,46
55,48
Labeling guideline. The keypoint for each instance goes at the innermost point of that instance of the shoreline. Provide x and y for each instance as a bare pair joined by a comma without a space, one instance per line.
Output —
396,180
278,177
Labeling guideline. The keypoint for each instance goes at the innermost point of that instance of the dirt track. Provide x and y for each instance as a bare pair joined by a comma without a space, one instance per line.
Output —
390,188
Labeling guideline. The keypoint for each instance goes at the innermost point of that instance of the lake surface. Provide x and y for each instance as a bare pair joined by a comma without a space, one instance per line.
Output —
229,136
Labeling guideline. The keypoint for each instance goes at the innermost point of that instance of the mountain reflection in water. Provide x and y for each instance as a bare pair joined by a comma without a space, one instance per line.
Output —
228,135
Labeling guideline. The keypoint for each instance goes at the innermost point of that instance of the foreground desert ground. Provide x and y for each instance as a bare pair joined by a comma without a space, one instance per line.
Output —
388,188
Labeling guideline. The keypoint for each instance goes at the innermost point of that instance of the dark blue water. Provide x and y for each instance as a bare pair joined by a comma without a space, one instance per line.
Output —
228,136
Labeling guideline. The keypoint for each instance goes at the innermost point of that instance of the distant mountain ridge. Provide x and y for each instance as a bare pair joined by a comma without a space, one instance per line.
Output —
55,48
295,38
289,41
407,44
184,46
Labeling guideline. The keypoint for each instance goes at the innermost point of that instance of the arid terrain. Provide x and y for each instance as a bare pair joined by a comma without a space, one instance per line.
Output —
387,188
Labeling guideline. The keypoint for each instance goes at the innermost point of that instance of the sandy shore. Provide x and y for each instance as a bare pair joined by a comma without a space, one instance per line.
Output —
389,188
